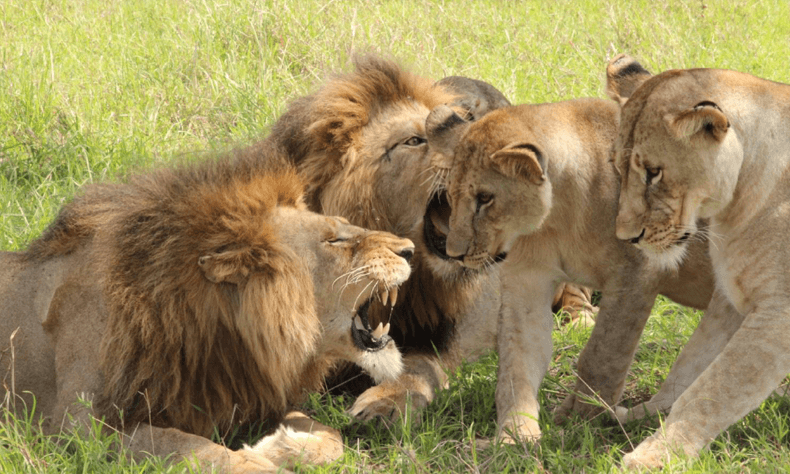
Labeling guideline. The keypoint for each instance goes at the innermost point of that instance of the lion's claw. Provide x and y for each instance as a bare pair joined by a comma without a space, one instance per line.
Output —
383,402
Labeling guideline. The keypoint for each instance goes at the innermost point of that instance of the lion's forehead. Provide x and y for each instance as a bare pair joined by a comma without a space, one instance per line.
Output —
394,122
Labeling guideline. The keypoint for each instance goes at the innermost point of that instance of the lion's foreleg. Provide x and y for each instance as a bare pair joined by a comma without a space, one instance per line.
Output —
412,391
524,345
605,360
146,440
751,365
717,326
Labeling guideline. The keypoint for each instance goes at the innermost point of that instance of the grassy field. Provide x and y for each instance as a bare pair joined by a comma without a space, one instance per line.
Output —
92,89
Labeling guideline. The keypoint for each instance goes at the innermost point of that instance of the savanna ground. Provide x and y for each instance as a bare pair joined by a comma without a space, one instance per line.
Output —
92,89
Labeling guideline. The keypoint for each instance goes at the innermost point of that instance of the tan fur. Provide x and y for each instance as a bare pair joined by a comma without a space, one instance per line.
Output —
359,141
554,224
192,300
712,144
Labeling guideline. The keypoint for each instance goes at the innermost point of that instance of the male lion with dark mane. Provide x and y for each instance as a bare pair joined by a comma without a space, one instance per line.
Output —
360,143
190,300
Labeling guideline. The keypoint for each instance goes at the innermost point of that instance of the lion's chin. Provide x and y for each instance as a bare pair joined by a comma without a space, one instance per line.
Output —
666,259
377,353
384,364
436,225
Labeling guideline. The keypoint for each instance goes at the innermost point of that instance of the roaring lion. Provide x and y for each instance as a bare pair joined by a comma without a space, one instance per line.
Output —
533,188
190,300
360,143
710,144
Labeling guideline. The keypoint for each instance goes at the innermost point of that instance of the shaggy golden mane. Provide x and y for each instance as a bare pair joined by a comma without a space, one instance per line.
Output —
322,132
171,346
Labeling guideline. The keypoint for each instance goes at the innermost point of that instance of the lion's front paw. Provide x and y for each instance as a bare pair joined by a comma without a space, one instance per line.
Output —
576,403
388,402
518,430
651,453
676,439
623,414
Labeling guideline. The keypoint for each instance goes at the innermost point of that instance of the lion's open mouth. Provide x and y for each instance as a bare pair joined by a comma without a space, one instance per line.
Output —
436,224
364,336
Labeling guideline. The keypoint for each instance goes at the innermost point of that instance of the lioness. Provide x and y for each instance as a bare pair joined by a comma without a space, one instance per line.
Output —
532,187
195,299
360,143
712,144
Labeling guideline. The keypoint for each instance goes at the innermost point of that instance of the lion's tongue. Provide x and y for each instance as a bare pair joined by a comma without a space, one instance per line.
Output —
440,219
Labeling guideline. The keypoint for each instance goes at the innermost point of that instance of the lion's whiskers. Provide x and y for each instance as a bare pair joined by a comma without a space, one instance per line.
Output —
363,290
439,182
429,169
352,277
349,274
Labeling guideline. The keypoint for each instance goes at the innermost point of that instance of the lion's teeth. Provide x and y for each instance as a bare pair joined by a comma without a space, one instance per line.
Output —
380,331
386,328
394,296
385,296
358,323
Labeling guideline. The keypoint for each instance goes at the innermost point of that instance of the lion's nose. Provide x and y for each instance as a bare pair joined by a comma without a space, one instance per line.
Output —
406,254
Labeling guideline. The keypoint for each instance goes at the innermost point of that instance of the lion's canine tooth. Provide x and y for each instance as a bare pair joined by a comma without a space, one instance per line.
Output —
394,296
380,331
385,296
358,323
386,328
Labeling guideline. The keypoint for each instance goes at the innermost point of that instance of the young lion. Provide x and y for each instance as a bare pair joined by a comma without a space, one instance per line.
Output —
711,144
192,300
532,187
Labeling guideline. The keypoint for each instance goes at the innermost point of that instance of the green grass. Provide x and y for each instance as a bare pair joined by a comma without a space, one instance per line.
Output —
92,89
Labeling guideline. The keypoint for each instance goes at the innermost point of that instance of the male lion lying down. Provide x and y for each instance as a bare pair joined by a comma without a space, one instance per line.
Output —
191,300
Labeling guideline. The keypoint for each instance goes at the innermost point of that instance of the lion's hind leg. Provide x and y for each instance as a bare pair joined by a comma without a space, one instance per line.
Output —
299,437
148,440
577,302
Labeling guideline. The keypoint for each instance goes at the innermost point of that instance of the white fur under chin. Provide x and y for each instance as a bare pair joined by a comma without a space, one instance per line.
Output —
386,364
668,259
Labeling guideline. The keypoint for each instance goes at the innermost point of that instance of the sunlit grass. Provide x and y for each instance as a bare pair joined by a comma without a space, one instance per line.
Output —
93,89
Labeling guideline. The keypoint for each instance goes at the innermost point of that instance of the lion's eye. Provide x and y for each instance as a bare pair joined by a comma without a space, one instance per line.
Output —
653,175
483,198
336,239
414,141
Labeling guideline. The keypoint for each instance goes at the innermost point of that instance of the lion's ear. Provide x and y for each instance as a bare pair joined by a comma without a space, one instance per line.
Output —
224,267
444,128
623,76
521,160
704,120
